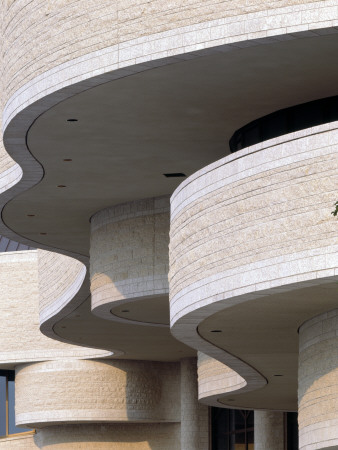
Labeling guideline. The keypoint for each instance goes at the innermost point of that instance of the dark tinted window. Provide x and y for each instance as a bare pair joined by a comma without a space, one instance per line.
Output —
286,121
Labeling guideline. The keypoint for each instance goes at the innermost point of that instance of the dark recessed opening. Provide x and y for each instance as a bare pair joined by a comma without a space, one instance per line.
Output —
68,159
61,186
125,310
30,215
278,375
72,120
215,331
172,175
43,233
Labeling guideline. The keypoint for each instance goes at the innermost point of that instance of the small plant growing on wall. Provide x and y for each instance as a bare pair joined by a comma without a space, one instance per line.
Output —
335,211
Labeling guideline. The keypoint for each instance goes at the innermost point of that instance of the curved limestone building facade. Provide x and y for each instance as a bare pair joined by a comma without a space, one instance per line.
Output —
169,260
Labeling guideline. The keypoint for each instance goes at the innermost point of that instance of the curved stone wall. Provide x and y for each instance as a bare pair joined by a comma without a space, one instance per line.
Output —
58,392
318,383
20,442
112,36
160,436
254,223
255,220
20,336
129,253
215,380
31,47
60,279
269,430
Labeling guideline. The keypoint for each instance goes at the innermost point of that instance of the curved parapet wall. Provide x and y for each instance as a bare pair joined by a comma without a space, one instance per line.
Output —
29,50
215,380
161,436
129,254
318,383
93,391
61,278
21,339
252,224
122,35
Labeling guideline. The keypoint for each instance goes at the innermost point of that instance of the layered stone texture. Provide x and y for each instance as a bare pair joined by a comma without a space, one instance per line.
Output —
157,436
215,379
254,219
269,430
61,391
194,416
129,253
252,224
31,48
20,336
60,279
318,382
20,442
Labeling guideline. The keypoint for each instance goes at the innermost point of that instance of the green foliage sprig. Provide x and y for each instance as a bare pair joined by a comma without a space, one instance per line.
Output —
335,212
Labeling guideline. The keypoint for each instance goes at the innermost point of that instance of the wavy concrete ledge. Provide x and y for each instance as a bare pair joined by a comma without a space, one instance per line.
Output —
145,53
261,192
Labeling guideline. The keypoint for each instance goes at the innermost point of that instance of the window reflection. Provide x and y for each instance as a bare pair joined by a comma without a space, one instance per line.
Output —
232,429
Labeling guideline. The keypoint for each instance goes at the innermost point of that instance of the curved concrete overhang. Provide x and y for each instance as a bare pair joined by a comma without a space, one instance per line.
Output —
171,109
260,261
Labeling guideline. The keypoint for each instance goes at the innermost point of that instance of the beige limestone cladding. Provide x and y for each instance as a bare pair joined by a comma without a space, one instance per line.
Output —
254,223
129,253
215,379
318,382
60,277
23,442
269,430
255,220
20,336
127,436
94,38
32,44
194,416
63,391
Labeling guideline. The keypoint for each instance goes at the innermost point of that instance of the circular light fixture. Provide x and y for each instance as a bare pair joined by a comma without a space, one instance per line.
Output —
215,331
72,120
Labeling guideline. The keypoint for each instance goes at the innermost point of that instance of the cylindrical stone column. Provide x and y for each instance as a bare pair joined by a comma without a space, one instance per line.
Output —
318,383
129,254
269,430
191,410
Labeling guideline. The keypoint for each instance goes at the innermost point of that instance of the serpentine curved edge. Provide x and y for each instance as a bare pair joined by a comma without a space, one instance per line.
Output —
192,302
114,62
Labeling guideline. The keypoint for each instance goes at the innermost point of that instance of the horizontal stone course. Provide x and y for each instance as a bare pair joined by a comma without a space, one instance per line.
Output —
254,223
113,391
318,382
